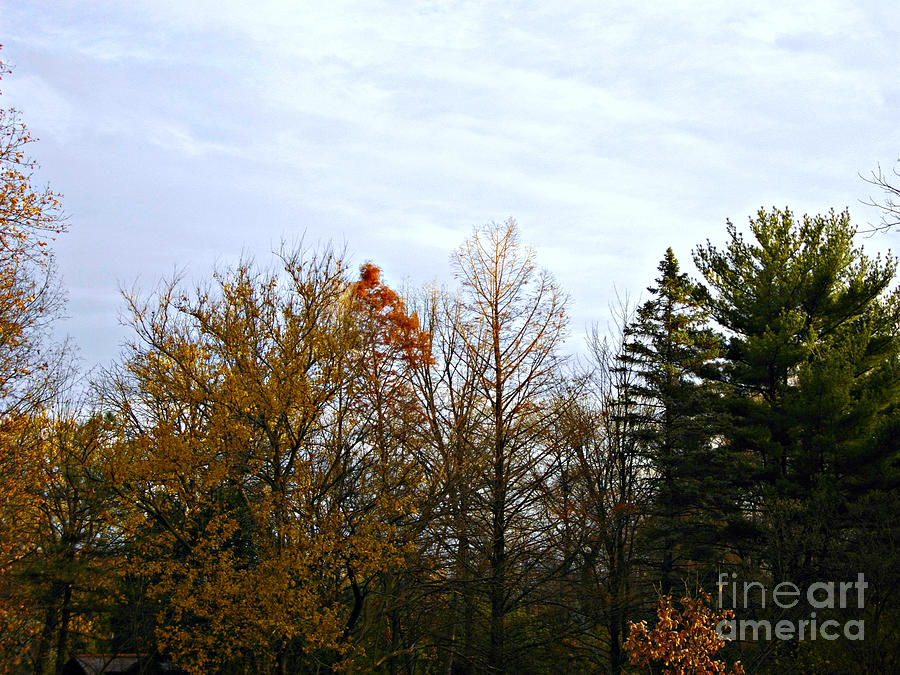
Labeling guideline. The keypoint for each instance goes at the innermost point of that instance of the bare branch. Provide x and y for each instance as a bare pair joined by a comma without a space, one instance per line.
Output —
890,204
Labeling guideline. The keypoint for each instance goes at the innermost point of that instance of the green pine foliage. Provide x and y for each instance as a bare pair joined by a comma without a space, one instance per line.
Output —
811,347
812,386
675,356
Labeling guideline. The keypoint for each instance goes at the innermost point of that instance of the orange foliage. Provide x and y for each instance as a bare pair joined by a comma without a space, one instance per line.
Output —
394,327
683,642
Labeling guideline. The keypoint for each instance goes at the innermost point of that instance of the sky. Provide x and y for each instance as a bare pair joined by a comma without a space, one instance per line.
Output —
186,134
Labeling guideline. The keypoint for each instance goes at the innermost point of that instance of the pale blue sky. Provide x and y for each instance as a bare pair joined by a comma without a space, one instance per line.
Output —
185,132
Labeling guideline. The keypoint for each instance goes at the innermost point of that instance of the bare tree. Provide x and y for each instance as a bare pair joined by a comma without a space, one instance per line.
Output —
455,414
513,321
890,204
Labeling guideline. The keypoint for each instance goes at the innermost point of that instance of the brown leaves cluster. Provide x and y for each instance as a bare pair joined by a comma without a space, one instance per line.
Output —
683,642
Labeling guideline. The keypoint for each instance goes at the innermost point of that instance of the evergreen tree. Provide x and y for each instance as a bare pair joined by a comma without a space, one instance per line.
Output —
674,354
813,378
812,348
812,389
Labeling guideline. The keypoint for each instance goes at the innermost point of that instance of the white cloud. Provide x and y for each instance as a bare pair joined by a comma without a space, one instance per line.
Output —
609,130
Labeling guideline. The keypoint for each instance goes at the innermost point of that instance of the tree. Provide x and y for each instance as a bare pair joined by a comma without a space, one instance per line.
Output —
64,582
456,416
813,384
390,625
683,642
890,205
30,367
513,322
607,496
262,444
811,339
29,296
673,354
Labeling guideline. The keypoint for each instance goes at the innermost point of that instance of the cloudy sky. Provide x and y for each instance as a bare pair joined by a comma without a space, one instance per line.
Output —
186,133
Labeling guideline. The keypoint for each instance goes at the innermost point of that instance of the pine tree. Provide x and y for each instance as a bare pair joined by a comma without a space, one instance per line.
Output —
811,354
813,379
674,354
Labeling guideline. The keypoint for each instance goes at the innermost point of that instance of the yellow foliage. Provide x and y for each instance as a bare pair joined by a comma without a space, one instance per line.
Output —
60,537
261,428
29,219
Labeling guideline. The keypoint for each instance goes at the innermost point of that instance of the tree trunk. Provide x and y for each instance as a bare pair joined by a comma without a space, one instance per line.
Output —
62,638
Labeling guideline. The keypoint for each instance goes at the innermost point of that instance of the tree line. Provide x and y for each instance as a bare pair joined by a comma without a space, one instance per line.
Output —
296,469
